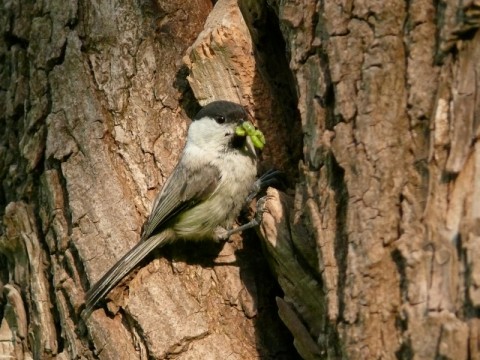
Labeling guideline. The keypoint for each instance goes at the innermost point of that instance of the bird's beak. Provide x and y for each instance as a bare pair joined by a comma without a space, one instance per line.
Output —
250,147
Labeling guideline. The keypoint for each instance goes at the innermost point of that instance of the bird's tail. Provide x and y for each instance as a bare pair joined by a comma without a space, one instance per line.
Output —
121,269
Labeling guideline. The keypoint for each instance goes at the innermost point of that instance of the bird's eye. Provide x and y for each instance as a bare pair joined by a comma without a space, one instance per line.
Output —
220,119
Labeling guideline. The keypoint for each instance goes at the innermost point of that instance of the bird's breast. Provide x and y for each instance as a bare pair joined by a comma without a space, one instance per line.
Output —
221,208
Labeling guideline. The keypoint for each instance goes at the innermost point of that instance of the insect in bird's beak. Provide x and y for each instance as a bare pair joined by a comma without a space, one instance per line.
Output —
250,146
254,137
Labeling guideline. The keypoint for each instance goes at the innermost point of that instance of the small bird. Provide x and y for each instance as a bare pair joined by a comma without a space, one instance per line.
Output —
213,180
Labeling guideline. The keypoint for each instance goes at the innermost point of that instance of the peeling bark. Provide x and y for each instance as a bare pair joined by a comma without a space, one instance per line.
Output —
95,102
370,109
388,181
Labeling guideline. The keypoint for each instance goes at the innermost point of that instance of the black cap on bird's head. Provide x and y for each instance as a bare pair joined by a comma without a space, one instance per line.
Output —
223,112
228,116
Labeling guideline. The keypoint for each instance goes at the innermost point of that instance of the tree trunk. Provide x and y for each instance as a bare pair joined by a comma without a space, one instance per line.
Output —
369,107
95,103
388,183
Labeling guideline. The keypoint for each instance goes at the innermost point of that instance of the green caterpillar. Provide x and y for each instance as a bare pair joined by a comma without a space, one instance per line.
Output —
247,129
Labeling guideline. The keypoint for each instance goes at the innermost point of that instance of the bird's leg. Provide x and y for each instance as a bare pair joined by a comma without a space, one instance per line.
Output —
223,234
268,178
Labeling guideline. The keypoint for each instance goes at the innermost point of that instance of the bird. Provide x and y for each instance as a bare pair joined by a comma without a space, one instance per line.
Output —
214,178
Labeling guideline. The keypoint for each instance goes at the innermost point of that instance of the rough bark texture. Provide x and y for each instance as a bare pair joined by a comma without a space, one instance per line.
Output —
389,182
93,100
370,107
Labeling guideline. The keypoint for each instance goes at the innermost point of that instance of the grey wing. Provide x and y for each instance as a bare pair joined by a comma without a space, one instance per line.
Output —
184,189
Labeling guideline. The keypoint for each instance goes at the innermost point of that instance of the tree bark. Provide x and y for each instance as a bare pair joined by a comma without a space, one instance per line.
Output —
95,103
371,110
388,180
